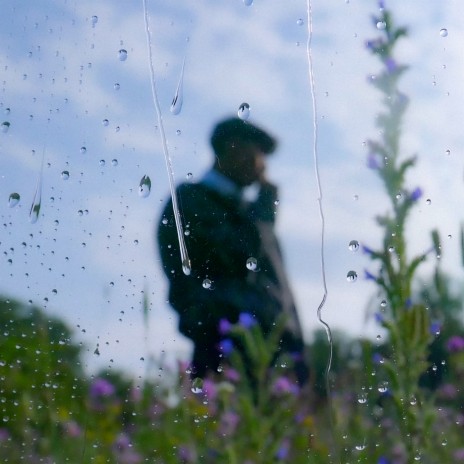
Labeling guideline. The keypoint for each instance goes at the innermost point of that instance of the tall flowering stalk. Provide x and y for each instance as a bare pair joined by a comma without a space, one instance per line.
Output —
406,321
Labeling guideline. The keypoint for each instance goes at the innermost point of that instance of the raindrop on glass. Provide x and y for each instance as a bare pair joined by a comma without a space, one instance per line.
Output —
353,245
116,86
197,385
101,162
351,276
444,32
144,187
448,152
383,387
244,111
5,126
94,20
299,22
13,199
105,122
178,99
248,2
65,175
383,303
252,264
381,25
114,162
207,284
189,176
122,54
362,399
83,150
429,201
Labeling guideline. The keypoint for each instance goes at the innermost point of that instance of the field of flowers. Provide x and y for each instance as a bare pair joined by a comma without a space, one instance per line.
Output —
397,400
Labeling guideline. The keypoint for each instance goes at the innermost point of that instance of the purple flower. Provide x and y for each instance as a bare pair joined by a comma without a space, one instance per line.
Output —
210,389
377,358
416,194
369,276
224,326
229,422
383,460
435,328
391,65
459,455
448,391
246,320
226,346
284,448
455,344
4,434
72,429
186,454
101,388
379,318
373,161
283,386
367,250
231,374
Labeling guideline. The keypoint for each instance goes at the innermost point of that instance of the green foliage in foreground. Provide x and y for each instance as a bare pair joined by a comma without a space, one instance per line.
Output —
51,412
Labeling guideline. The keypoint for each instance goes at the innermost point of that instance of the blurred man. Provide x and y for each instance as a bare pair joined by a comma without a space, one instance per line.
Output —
235,256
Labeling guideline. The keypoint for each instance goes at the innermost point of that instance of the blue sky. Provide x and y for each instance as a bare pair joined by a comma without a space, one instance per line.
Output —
59,69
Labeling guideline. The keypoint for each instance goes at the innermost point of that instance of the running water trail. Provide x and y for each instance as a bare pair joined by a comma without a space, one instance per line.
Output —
321,211
178,99
186,266
37,200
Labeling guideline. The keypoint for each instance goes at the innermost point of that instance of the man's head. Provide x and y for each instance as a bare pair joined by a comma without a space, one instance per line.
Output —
240,148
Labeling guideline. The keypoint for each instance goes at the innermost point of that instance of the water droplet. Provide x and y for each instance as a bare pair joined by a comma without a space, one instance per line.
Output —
448,152
351,276
252,264
187,233
5,126
197,385
122,54
355,197
360,447
105,122
65,175
145,187
83,150
164,221
299,22
178,100
444,32
101,162
94,20
383,387
381,25
412,401
114,162
207,284
362,399
353,245
116,86
244,111
189,176
248,2
429,201
13,199
178,132
383,303
186,266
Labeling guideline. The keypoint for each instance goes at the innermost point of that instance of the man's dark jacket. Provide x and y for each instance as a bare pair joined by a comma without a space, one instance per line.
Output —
221,234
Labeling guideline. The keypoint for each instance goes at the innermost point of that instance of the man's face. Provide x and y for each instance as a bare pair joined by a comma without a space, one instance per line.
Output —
244,163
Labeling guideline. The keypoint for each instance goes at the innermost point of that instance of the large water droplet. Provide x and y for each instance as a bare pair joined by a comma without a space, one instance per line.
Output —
35,210
444,32
244,111
299,22
197,385
351,276
207,284
145,187
362,399
5,126
252,264
381,25
122,54
178,99
186,266
65,175
13,200
383,387
353,245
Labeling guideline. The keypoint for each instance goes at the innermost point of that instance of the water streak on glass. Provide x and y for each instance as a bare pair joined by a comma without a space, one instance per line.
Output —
186,265
319,200
178,99
37,200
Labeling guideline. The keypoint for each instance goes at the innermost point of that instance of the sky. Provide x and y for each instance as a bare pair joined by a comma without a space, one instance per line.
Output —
72,101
